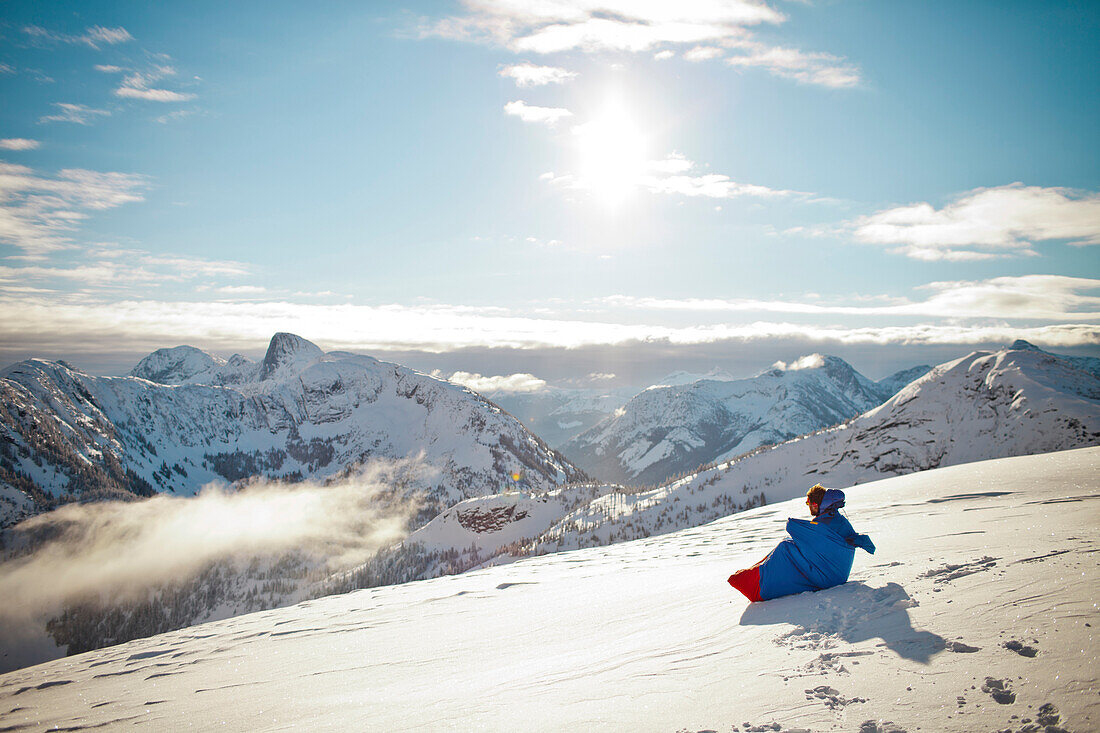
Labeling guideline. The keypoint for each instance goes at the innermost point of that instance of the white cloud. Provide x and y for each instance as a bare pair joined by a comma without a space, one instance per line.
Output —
810,361
703,53
1030,297
76,113
542,115
7,69
138,85
109,36
985,223
92,37
672,175
38,213
108,69
153,95
663,55
594,26
809,68
80,324
18,143
530,75
506,384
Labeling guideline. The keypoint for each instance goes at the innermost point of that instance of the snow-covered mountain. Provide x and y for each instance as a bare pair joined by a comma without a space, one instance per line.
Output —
680,378
977,613
985,405
185,419
188,365
668,430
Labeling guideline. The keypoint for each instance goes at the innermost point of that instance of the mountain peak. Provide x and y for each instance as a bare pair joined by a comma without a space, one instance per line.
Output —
174,365
288,349
1021,345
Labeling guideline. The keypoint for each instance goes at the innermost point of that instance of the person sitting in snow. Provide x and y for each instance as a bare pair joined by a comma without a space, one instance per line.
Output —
824,507
817,555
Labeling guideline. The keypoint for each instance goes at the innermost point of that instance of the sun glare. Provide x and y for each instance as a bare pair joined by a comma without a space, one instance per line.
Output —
612,153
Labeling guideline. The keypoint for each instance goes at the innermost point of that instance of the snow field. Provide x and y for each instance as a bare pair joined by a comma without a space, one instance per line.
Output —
977,613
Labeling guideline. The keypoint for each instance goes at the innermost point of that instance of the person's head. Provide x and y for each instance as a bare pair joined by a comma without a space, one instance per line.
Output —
814,497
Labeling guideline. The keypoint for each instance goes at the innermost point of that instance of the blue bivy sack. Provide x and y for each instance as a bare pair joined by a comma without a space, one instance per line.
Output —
815,556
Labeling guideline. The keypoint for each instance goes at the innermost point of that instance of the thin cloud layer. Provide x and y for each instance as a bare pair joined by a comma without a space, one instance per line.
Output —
18,143
124,550
139,85
675,175
93,37
40,325
78,114
38,213
707,27
821,69
1031,297
985,223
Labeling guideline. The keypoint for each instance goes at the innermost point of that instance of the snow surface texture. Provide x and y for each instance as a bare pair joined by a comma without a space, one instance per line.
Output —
668,430
976,614
299,414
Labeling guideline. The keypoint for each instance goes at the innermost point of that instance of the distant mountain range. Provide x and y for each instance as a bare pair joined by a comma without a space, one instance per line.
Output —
1017,401
668,430
184,418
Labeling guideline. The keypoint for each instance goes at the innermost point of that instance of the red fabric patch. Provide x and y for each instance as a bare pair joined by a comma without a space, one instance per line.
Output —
748,582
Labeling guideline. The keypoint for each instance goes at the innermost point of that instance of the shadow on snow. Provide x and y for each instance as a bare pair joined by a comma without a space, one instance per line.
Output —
848,613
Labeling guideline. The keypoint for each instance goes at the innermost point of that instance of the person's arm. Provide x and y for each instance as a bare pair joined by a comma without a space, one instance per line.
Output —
863,541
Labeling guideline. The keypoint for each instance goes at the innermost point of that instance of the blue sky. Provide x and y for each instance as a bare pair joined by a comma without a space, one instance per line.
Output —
560,188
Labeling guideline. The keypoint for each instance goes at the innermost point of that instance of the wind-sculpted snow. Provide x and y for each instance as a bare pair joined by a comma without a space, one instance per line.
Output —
300,414
667,431
647,636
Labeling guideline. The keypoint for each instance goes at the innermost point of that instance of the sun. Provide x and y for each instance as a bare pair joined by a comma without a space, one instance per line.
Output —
613,154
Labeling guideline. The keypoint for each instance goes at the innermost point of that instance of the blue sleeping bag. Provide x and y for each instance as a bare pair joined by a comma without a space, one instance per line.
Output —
817,555
814,557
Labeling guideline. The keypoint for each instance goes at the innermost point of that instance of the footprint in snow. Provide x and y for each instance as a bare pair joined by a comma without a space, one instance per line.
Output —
831,697
950,571
999,690
879,726
1019,648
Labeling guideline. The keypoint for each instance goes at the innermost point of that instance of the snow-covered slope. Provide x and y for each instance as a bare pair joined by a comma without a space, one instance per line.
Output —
666,431
889,386
298,414
976,614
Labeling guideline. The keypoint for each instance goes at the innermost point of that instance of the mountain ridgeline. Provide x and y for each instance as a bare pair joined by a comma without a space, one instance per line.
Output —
1014,402
183,419
668,430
